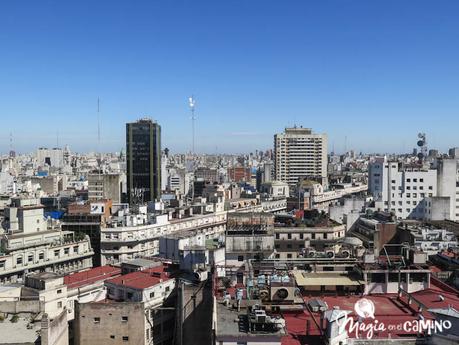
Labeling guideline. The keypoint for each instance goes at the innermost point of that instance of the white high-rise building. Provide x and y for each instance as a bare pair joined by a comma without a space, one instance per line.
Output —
414,191
299,153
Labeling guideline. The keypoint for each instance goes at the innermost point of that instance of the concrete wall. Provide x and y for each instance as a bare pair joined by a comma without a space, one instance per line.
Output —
110,327
21,307
55,332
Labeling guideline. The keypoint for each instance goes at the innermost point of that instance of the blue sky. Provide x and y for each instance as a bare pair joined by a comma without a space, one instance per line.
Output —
375,71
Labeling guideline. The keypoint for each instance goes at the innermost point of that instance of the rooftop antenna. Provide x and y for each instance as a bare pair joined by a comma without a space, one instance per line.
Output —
345,144
57,139
192,104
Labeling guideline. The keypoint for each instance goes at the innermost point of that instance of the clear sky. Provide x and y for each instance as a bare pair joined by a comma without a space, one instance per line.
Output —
375,71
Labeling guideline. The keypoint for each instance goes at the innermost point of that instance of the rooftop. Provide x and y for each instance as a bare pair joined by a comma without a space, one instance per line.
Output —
232,325
142,279
91,276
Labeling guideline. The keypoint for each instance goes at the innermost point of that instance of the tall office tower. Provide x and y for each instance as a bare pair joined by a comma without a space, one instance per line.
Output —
143,160
300,154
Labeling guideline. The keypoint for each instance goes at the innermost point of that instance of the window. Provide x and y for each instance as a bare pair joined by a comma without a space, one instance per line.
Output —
97,320
152,294
289,256
59,304
301,236
415,195
59,291
289,246
289,236
313,236
421,180
408,180
325,236
2,264
75,249
30,258
125,338
19,260
393,181
167,288
66,251
240,258
112,336
41,256
277,256
124,318
408,187
277,236
408,195
56,252
430,188
129,295
277,246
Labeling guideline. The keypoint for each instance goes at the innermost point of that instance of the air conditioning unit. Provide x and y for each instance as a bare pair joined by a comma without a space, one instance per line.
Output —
282,293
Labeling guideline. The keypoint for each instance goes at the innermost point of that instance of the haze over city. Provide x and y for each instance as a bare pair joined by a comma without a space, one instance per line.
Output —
376,72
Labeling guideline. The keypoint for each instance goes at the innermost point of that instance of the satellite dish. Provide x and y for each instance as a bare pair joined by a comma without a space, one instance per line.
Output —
420,135
420,143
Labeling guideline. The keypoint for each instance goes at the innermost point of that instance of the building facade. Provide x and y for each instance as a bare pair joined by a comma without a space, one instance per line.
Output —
299,153
143,160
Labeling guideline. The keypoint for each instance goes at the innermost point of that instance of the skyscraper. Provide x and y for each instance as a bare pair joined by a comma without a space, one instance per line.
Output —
300,154
143,160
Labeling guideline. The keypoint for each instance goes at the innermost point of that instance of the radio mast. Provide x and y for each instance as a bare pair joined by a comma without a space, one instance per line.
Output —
192,103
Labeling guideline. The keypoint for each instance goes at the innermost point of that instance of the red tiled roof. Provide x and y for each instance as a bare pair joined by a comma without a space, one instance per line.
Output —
77,280
142,279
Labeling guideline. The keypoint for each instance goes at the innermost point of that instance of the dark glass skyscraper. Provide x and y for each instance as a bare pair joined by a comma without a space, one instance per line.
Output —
143,159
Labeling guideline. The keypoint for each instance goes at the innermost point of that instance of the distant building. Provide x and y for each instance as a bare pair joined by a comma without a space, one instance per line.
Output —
52,157
143,158
105,186
298,154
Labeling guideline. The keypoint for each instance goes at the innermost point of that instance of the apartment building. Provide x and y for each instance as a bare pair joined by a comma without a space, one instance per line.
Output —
413,191
30,243
138,310
132,236
298,154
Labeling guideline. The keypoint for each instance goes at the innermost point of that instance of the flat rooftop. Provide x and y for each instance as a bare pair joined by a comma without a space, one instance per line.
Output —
232,325
389,309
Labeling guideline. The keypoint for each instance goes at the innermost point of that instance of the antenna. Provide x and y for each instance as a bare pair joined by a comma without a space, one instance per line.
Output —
192,103
98,122
99,160
12,153
57,139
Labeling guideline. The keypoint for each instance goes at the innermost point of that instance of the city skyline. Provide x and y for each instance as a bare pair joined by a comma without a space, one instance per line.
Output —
371,75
